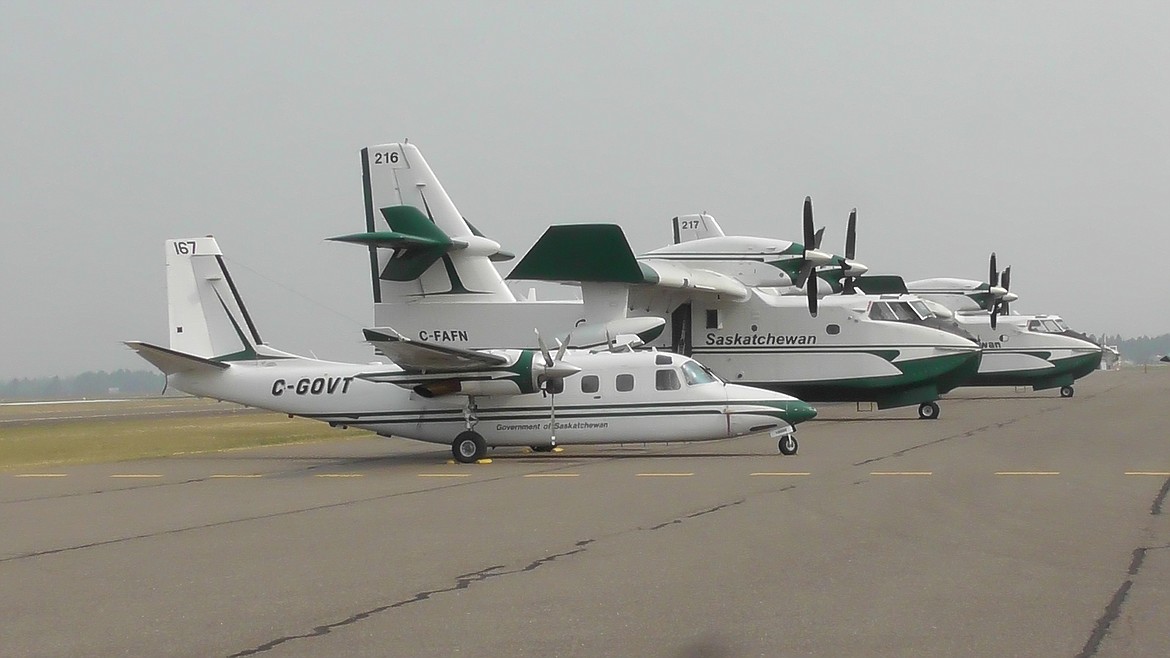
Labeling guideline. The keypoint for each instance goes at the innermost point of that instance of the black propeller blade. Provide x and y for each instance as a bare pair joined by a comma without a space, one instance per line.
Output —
848,286
811,290
1007,282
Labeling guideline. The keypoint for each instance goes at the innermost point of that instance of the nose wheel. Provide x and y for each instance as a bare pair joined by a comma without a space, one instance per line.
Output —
469,447
928,410
788,445
1066,391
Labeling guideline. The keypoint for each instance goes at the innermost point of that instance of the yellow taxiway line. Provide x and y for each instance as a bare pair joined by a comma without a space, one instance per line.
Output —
663,475
552,475
41,475
337,475
235,475
1027,472
794,474
443,475
901,473
1161,474
130,476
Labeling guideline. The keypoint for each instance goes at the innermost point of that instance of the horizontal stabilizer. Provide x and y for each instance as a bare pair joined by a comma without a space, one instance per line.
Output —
887,284
418,356
598,253
417,242
171,362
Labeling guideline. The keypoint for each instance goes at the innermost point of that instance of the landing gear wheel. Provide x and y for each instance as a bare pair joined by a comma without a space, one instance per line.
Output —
928,410
541,448
788,445
468,448
1066,391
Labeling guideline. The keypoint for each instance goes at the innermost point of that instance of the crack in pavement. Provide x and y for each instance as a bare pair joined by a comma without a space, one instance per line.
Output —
463,581
466,580
1113,608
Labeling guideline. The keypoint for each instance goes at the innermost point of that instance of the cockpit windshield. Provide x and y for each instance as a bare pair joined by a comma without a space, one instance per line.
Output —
1048,326
696,374
893,311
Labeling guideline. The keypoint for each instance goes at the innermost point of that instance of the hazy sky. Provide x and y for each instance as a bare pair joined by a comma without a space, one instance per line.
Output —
1037,130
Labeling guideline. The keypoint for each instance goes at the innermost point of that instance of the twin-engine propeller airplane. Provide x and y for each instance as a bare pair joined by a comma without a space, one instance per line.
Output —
1018,350
468,399
716,294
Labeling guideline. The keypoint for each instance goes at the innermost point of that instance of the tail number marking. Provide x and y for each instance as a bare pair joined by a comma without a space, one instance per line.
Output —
312,385
185,247
385,157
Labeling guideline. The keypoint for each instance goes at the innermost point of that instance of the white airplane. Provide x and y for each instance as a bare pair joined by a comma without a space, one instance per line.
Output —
715,293
468,399
1018,350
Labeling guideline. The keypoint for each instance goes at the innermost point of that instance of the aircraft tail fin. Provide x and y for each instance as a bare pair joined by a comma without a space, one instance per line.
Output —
695,227
431,252
206,314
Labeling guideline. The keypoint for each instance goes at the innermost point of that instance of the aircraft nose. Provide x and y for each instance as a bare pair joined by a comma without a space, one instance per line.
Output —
799,411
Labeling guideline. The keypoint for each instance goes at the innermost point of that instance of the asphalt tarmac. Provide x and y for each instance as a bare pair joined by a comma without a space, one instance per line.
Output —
1019,524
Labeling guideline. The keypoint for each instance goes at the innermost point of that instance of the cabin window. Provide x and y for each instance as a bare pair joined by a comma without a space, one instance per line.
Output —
713,319
833,329
662,360
624,383
1034,325
666,380
590,384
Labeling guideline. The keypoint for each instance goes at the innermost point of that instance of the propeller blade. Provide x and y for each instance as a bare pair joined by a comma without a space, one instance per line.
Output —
820,234
808,223
802,275
992,272
811,289
994,315
564,346
851,236
849,287
1007,277
548,360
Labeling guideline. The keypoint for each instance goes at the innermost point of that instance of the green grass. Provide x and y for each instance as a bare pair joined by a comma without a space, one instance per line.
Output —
119,438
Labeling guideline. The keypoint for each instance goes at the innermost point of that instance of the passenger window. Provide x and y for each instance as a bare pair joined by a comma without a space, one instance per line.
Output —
666,380
625,383
590,384
833,329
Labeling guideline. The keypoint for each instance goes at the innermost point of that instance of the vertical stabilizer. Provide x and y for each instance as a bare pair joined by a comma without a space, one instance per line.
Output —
395,175
695,227
207,317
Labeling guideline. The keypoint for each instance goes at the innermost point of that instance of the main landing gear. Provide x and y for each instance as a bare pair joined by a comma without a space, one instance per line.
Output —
928,410
469,447
788,444
1066,391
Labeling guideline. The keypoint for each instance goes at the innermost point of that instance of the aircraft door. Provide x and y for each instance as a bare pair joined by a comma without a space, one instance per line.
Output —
680,330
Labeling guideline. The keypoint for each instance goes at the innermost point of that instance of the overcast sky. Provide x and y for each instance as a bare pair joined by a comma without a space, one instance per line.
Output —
1037,130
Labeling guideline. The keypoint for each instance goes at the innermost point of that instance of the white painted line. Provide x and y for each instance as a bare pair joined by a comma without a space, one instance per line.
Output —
901,473
136,475
443,475
1161,474
338,475
778,474
1027,472
41,475
236,475
552,475
664,475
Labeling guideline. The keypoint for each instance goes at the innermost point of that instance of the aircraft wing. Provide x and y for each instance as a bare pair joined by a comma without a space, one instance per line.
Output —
683,277
420,357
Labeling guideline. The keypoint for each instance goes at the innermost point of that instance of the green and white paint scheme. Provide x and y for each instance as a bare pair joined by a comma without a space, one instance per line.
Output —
468,399
1020,350
843,355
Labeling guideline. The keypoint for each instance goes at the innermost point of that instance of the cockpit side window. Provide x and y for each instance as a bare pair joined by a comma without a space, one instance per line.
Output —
922,310
1060,324
696,374
1034,325
666,380
881,311
1052,327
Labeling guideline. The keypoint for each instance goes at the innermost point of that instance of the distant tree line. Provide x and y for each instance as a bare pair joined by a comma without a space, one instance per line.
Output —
86,385
1143,349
